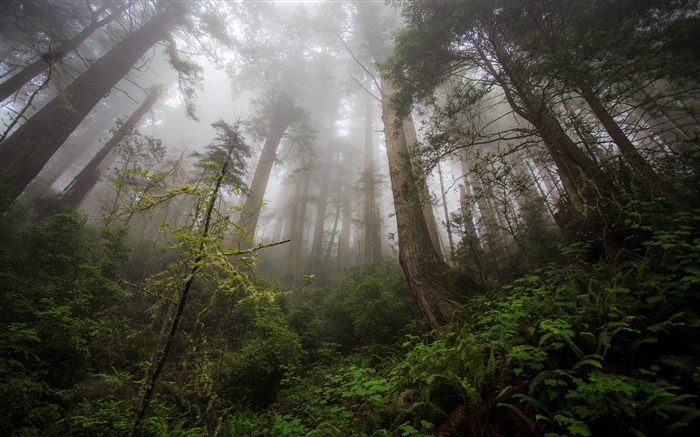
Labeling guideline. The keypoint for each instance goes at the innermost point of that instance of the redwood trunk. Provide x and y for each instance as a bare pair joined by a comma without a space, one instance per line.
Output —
426,272
296,235
76,192
411,140
322,204
254,199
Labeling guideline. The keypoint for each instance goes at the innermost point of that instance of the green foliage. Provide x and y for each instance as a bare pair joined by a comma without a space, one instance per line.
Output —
53,301
372,308
575,349
578,349
230,147
252,370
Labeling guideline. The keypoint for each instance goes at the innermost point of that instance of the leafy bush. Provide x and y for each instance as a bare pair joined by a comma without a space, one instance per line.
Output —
53,300
579,349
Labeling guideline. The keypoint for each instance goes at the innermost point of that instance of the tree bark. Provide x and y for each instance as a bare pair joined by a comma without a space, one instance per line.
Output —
32,145
81,185
252,205
71,150
426,272
411,139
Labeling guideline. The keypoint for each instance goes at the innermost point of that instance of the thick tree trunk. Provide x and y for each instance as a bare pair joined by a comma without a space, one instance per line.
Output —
32,145
17,81
426,272
71,150
76,192
252,205
411,139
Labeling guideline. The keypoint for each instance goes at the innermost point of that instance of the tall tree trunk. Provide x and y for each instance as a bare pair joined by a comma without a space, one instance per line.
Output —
322,203
331,238
32,145
421,178
296,231
18,80
426,272
71,150
279,227
372,231
81,185
344,254
338,184
253,202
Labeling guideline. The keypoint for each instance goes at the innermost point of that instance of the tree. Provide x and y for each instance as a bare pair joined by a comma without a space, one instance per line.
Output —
594,66
372,220
428,275
471,40
322,200
196,266
27,150
297,224
230,147
81,185
282,112
409,132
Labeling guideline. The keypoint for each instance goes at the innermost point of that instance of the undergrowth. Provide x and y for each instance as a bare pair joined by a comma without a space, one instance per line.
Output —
578,349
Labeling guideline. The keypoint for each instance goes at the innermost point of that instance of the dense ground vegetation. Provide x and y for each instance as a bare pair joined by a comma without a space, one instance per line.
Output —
573,347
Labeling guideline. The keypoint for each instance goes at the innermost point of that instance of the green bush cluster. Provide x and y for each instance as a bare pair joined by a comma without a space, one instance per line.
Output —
568,349
577,349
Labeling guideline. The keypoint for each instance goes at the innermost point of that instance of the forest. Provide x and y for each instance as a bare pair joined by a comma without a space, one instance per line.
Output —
350,218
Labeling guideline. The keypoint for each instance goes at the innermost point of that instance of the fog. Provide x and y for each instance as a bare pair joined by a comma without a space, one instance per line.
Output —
315,56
